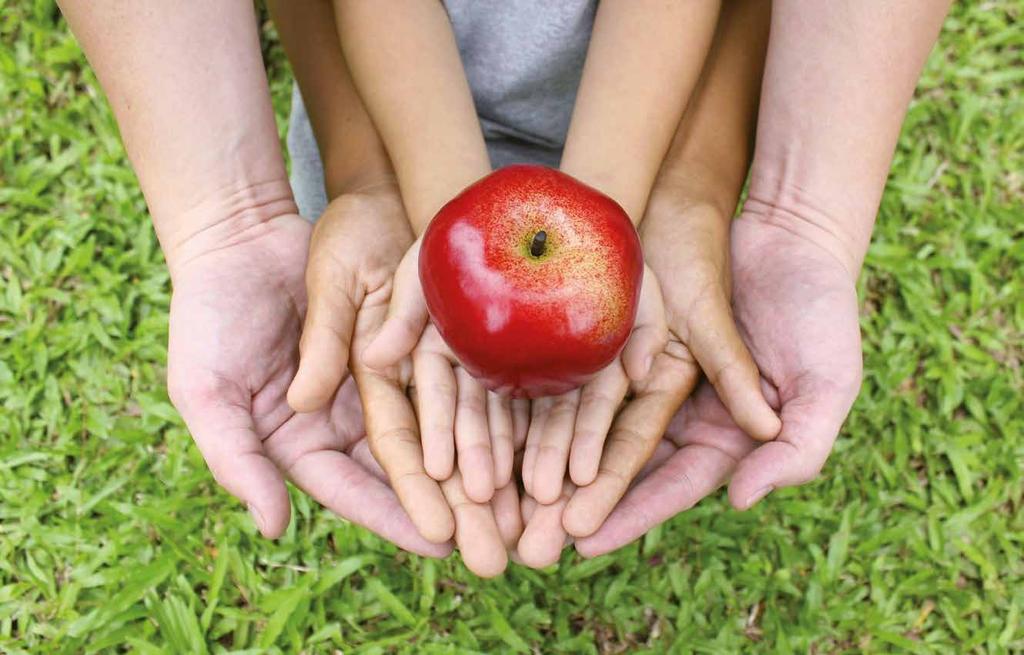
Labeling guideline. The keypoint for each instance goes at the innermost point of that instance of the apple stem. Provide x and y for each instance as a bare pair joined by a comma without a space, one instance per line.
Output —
539,240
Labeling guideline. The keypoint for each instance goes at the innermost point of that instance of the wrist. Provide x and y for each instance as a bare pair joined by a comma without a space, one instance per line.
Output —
240,214
625,185
425,195
344,174
796,209
697,184
365,180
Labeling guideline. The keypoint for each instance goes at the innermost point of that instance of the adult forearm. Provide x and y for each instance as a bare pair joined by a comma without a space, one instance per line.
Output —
405,63
187,85
838,79
710,154
642,64
352,152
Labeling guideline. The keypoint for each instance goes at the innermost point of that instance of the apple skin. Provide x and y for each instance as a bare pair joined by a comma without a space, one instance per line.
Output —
526,325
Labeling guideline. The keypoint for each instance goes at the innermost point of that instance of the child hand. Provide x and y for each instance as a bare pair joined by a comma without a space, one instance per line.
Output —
570,429
354,251
456,412
686,245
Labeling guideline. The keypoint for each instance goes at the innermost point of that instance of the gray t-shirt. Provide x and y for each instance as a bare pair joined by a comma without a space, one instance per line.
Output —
523,60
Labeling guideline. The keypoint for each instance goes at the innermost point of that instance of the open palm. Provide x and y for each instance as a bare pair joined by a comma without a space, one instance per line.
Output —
236,316
796,306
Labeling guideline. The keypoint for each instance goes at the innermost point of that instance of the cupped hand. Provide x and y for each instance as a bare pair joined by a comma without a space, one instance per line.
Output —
569,430
458,417
796,306
686,246
236,314
355,250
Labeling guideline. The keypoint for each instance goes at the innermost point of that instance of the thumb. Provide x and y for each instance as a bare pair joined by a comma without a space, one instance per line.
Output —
326,338
716,344
810,425
407,316
223,430
650,332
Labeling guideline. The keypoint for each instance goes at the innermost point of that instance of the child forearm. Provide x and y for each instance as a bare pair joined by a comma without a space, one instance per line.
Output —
642,64
406,65
710,154
351,151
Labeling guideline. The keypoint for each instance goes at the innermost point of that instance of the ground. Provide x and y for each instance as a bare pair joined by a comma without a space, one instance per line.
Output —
114,538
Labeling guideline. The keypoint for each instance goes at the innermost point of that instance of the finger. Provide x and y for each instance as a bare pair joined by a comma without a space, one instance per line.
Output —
350,491
223,429
688,476
716,343
499,423
527,505
635,434
436,391
473,438
508,517
324,347
810,425
520,421
599,401
544,538
476,533
362,456
407,316
650,332
662,452
395,444
552,453
539,410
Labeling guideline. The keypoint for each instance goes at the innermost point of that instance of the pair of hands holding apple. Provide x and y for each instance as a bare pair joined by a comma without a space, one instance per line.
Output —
238,314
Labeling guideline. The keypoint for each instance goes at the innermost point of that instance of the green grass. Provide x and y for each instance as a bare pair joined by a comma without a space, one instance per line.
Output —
113,536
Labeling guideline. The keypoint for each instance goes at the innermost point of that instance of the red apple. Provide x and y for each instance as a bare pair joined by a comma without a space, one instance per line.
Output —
533,279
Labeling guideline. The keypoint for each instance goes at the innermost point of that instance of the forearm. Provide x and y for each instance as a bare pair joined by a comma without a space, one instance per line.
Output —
838,79
352,153
187,85
406,66
710,154
642,64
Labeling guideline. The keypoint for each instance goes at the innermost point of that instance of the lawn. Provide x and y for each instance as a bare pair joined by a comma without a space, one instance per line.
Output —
114,537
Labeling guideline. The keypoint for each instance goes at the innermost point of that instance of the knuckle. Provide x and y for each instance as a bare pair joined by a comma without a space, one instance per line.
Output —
471,411
594,398
396,437
809,472
563,407
186,391
620,478
588,436
725,372
552,450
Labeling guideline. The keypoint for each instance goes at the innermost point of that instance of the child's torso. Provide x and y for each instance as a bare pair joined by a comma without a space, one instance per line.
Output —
523,60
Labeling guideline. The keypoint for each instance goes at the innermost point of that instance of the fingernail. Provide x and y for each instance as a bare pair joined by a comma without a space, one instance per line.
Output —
256,517
758,495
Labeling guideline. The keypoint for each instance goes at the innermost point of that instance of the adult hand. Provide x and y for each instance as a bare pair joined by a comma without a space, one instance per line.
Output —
796,305
355,250
235,318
